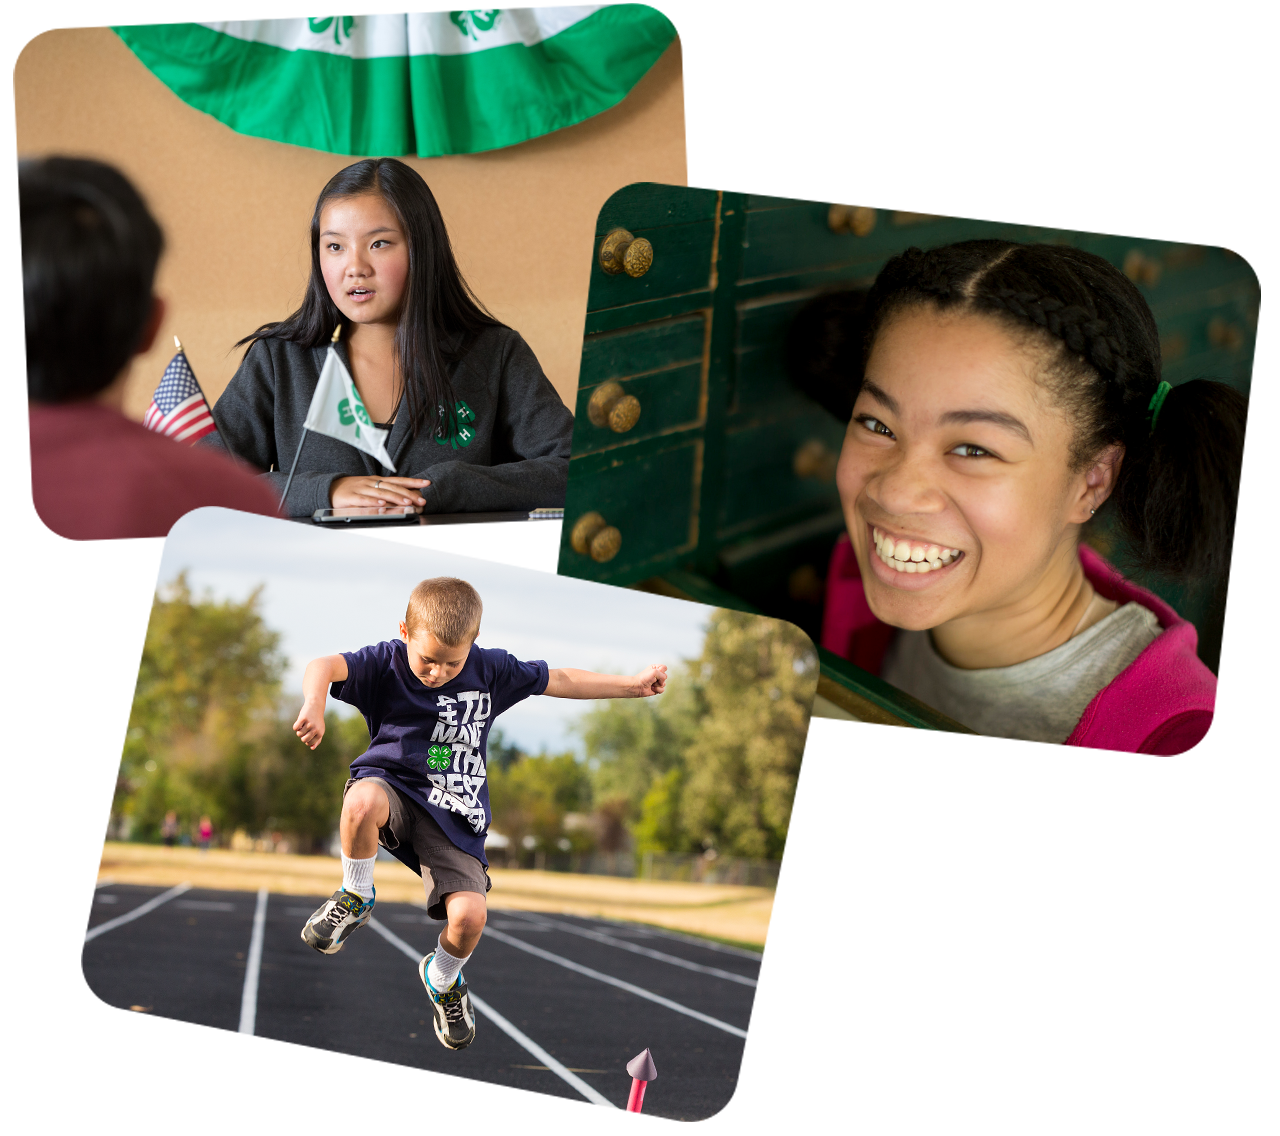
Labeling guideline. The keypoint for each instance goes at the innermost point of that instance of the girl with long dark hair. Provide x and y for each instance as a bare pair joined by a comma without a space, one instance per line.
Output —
474,423
1008,393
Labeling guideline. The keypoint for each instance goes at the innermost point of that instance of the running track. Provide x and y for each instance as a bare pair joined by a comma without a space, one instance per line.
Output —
562,1002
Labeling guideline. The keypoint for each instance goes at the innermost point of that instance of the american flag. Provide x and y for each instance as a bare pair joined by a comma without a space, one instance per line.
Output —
178,409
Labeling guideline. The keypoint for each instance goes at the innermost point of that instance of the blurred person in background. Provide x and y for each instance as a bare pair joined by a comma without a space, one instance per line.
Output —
89,254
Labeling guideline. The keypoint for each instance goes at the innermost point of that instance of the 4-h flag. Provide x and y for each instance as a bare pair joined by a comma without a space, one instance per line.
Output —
427,83
178,408
337,410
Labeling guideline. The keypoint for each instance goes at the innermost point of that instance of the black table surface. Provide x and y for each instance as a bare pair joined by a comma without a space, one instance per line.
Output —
448,526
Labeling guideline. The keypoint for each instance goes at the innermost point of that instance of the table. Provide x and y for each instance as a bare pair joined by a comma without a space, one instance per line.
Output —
448,526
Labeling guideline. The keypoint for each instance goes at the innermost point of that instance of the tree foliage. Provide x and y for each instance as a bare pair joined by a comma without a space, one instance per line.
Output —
205,696
711,764
757,679
632,742
659,827
532,796
204,664
501,752
209,733
301,788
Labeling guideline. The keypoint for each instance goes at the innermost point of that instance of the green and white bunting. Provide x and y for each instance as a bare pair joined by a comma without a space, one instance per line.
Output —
426,84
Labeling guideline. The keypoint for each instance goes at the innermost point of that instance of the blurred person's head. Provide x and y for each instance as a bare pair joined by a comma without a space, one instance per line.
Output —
89,253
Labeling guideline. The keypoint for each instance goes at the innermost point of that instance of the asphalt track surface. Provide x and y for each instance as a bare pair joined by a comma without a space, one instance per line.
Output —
581,996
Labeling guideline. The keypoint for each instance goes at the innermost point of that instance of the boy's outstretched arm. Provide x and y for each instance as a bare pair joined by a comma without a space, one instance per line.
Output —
565,682
315,688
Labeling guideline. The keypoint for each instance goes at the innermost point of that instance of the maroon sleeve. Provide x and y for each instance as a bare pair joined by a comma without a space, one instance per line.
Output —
223,481
97,475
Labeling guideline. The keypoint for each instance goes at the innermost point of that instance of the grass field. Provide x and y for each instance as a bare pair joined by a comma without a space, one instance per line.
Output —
732,914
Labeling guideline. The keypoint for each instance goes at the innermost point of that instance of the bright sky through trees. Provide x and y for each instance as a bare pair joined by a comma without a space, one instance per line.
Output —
326,592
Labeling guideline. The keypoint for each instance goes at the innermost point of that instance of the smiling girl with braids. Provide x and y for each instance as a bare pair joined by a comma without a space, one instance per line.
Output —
1008,392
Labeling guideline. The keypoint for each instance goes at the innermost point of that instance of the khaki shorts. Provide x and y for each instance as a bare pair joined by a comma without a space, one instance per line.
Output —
445,867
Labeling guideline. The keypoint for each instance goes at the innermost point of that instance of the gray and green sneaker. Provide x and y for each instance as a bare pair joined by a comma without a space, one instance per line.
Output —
330,924
455,1020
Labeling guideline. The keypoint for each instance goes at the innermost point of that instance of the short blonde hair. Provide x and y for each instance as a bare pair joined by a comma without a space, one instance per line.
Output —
447,607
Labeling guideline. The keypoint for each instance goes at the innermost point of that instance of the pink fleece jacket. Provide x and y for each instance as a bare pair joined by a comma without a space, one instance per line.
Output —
1161,703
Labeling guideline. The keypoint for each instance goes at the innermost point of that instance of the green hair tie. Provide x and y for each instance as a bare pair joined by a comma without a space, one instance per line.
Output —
1157,401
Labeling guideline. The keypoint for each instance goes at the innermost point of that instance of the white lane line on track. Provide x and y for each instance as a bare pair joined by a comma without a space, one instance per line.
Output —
649,932
639,991
722,948
635,948
237,1099
140,910
520,1038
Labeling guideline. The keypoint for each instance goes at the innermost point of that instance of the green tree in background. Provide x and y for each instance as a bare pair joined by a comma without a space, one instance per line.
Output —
1240,202
710,764
531,796
632,742
301,787
206,695
659,828
757,682
501,752
713,762
211,733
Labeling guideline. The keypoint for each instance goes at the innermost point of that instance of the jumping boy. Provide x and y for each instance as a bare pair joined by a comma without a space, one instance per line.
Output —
421,788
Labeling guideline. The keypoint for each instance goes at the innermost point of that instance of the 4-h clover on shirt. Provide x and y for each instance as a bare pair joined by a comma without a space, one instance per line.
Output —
440,756
463,435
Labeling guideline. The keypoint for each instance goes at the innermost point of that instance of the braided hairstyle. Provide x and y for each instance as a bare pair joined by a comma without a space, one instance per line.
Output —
1175,496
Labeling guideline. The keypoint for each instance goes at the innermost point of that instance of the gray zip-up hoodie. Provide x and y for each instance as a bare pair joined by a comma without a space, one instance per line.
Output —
514,453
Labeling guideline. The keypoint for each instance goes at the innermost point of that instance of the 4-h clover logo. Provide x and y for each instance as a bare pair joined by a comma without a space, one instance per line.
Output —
475,19
440,756
347,414
463,435
341,25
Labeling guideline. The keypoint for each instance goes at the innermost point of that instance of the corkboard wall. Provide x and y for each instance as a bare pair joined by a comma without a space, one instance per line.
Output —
235,210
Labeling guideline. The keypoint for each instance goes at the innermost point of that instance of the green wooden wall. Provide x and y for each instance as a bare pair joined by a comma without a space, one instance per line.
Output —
708,481
699,339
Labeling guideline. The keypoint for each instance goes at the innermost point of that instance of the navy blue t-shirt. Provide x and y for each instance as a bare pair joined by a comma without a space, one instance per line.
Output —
430,742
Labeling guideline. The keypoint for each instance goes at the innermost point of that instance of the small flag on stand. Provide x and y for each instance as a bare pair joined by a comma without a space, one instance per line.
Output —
337,411
178,409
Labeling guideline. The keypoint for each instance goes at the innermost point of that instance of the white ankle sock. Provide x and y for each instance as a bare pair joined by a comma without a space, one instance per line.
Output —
444,967
357,876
